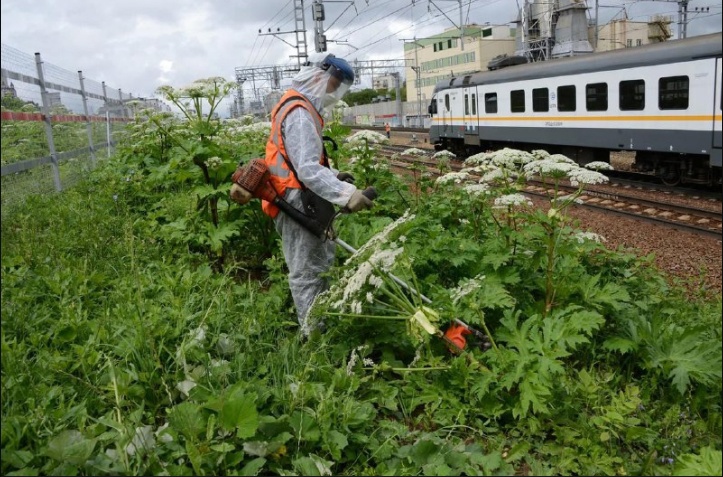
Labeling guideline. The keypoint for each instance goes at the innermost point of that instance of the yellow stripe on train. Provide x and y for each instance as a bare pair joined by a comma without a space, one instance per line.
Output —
717,117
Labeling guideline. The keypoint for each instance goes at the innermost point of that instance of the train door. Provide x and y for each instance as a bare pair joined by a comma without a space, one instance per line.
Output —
718,106
446,108
470,117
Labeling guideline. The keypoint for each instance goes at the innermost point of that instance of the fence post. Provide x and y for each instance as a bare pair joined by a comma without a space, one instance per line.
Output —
48,124
122,104
107,119
88,126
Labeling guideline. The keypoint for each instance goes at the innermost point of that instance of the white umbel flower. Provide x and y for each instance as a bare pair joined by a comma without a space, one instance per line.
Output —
512,200
452,178
585,176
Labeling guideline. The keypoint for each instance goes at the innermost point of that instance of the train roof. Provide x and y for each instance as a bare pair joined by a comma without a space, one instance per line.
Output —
704,46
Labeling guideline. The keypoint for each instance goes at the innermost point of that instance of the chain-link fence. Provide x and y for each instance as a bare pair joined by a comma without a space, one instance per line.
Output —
56,125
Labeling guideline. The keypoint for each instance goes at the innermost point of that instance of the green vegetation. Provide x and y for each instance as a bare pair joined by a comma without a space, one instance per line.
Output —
147,329
366,96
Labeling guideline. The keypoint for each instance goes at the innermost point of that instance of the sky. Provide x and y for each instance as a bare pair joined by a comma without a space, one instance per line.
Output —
139,45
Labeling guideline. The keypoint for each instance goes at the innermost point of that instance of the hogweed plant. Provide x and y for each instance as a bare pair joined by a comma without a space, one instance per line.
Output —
422,179
503,174
554,169
363,147
370,289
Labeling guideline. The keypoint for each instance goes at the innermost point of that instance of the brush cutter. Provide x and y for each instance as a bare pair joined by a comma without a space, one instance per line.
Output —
253,181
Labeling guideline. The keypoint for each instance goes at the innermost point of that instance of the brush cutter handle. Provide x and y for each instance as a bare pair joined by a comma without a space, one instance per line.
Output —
370,193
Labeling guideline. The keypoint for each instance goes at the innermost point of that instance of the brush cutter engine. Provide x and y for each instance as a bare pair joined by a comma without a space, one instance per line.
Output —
253,181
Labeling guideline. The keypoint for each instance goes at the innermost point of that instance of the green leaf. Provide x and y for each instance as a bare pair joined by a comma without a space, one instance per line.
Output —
313,465
70,446
17,458
239,412
253,467
708,462
423,452
188,419
609,295
620,344
686,354
218,236
306,427
194,455
335,442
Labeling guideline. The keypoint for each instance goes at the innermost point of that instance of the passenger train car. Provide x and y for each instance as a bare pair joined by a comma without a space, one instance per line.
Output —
661,101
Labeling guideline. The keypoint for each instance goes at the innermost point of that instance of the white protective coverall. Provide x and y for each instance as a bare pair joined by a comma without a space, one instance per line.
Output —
308,256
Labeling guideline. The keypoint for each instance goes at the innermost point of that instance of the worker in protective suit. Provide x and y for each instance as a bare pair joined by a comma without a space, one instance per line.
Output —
300,170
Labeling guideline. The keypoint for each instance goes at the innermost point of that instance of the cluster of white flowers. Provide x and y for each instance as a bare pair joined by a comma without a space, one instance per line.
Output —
510,158
413,151
355,282
549,168
382,260
540,154
477,159
581,237
599,166
479,169
381,237
367,137
568,197
357,148
214,162
512,200
561,158
494,175
477,190
586,176
466,287
444,153
354,358
452,178
385,259
261,127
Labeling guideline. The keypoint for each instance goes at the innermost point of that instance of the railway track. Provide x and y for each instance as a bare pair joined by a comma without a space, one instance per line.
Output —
698,220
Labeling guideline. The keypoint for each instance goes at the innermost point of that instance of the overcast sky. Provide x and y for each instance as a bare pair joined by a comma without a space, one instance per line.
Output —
139,45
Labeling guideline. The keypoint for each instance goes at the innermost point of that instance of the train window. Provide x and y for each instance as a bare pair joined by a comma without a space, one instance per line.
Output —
474,104
673,92
446,102
491,103
632,95
540,100
466,104
517,101
596,96
566,98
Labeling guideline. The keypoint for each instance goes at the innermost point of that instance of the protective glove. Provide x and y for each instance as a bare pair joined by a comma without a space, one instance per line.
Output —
345,177
357,202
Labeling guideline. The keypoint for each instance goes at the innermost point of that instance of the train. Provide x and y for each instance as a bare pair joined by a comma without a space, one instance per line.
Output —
661,102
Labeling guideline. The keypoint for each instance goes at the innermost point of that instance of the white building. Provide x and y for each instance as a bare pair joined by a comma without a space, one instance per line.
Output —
624,33
430,60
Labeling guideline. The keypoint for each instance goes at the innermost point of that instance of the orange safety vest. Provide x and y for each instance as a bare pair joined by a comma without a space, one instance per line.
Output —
282,176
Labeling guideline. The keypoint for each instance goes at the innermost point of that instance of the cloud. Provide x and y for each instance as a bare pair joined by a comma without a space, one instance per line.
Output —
139,45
